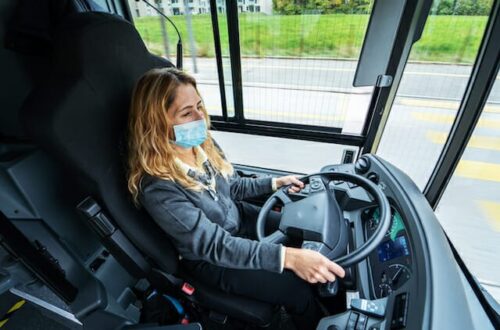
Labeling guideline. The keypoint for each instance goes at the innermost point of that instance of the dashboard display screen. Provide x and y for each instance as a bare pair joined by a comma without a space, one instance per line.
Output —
391,249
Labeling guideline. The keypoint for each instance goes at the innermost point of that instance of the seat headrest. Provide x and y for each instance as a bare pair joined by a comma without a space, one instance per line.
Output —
80,116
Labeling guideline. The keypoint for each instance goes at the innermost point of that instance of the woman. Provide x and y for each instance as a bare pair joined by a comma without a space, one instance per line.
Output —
185,183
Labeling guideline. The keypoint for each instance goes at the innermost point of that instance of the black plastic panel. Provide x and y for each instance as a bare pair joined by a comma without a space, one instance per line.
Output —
379,41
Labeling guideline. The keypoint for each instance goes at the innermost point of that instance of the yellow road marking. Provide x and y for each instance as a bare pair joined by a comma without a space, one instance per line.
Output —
17,305
478,170
11,310
440,104
448,119
492,211
481,142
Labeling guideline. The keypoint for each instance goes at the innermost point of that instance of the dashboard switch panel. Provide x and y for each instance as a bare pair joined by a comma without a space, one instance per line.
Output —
362,319
351,323
400,311
374,308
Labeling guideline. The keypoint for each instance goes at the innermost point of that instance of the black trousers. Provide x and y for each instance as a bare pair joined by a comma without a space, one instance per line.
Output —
285,289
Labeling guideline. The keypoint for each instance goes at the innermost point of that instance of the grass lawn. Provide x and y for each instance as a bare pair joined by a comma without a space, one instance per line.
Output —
453,39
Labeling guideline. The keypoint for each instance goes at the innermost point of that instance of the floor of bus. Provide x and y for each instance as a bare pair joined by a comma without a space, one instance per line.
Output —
27,316
16,315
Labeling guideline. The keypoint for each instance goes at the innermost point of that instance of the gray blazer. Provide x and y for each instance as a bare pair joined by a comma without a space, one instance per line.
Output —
202,228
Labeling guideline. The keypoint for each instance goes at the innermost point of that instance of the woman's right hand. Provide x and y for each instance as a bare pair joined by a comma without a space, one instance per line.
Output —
312,266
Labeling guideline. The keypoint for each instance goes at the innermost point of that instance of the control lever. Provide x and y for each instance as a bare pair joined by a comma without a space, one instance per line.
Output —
374,308
329,289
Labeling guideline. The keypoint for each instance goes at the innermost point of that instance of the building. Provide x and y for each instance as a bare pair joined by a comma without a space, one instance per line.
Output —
196,7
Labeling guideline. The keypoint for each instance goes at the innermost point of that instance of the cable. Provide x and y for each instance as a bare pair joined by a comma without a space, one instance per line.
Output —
179,42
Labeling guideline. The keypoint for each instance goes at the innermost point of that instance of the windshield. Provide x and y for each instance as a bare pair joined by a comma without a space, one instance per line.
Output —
294,69
469,210
428,98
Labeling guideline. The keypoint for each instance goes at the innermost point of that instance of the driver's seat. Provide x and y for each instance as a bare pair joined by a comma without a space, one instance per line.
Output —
79,116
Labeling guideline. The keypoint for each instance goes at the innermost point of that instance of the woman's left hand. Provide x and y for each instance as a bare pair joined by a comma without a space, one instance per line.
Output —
296,184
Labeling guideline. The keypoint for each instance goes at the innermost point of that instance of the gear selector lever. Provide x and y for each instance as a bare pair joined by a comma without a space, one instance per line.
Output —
329,289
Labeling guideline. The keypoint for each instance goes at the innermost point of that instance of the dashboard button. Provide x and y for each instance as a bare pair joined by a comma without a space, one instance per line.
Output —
351,323
374,308
400,311
361,325
362,165
316,184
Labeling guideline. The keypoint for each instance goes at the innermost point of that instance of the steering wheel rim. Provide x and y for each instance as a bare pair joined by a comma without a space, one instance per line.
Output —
368,246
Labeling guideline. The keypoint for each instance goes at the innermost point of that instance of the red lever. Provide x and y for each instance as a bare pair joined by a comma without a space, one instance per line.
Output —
187,289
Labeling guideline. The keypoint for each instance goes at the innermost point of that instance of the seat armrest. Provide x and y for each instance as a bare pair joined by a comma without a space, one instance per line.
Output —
113,239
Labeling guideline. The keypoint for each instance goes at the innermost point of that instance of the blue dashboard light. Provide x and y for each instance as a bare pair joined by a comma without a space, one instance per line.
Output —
391,249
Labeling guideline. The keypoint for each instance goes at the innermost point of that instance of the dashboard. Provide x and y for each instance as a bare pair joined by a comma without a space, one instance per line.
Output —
411,279
390,264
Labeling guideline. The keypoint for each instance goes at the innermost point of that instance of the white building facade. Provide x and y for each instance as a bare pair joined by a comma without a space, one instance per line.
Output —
197,7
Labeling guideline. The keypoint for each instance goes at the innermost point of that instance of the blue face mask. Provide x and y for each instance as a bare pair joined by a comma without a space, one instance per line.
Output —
190,134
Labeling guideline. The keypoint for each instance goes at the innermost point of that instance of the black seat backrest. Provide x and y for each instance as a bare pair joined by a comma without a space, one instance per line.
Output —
80,116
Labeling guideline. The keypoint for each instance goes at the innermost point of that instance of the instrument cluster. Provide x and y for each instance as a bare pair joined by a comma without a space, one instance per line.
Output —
391,262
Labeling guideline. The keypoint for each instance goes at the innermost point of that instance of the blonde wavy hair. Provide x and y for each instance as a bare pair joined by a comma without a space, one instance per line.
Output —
149,149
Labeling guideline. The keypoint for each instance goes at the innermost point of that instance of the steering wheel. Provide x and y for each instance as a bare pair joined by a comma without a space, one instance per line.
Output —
318,219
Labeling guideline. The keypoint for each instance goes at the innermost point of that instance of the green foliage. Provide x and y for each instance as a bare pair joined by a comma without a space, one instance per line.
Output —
478,7
463,7
453,39
442,7
295,7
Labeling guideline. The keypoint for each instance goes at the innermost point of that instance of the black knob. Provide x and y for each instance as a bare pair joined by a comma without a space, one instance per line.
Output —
373,177
362,165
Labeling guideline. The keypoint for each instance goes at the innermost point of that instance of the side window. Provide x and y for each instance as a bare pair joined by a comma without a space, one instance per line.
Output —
193,20
298,60
297,63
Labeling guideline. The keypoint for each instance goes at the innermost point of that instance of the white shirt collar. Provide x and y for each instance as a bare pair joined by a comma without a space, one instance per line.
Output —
201,157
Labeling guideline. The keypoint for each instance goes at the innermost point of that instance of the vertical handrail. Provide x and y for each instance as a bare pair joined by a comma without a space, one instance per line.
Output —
218,56
235,54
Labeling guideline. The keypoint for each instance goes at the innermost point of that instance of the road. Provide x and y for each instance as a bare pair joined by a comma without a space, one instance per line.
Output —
435,81
320,92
